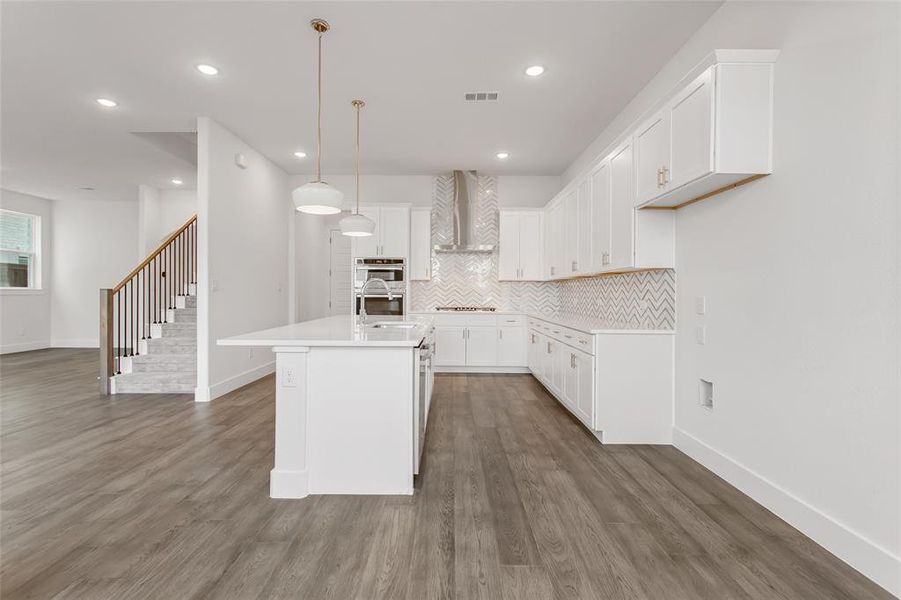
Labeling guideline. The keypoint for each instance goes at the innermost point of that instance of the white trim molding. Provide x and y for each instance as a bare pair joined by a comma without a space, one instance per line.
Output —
205,394
871,559
24,347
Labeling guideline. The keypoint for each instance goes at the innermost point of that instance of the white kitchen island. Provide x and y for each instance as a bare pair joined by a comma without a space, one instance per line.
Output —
348,408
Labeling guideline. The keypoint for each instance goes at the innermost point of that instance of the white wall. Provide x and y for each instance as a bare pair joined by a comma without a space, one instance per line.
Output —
244,217
160,213
800,272
93,247
25,314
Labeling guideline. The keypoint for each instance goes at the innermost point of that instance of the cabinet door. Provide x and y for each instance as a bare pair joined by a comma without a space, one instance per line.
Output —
554,242
534,353
571,233
585,399
545,363
420,244
652,156
622,212
600,217
450,346
556,366
394,231
508,247
481,346
530,246
571,378
583,220
369,245
691,126
511,346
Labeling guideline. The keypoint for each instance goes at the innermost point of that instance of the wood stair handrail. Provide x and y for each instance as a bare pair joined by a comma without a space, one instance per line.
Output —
155,253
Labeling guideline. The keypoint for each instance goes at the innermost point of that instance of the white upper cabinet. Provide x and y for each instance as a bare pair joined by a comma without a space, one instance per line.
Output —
520,243
713,133
571,233
553,242
600,216
691,126
652,151
394,228
392,232
420,244
583,227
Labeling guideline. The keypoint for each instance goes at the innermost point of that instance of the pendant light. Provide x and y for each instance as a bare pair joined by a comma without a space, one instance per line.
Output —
318,197
357,225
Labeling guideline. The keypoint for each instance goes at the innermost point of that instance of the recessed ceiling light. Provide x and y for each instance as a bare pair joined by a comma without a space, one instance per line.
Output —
177,181
534,70
208,69
107,103
503,155
300,154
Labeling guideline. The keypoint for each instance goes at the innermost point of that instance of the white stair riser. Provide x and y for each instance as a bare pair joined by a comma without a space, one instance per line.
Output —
160,363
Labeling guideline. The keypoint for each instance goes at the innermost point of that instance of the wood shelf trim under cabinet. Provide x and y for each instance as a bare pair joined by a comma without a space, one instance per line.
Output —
725,188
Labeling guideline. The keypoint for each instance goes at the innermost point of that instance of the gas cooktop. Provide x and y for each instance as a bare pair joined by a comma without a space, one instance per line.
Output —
466,308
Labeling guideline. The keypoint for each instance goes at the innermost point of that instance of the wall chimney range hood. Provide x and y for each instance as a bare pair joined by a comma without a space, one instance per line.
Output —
466,196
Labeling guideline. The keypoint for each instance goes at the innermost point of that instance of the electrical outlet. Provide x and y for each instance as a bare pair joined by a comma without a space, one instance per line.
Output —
250,352
701,334
289,377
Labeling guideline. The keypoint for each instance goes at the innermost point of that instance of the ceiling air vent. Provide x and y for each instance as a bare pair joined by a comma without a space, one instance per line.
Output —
481,96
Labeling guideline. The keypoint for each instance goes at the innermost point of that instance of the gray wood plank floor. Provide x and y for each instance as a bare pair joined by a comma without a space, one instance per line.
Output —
139,496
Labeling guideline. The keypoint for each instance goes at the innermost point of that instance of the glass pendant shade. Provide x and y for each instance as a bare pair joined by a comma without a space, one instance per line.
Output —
357,225
318,198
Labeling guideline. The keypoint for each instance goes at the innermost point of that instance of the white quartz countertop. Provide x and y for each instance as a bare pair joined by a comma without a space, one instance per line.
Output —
583,324
343,330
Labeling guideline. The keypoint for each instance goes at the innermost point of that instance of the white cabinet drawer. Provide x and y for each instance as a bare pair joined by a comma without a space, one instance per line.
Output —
466,320
511,320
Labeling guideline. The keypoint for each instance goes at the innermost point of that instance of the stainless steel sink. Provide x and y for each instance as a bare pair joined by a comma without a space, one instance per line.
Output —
394,324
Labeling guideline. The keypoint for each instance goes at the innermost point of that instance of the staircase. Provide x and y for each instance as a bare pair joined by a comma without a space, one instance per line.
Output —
148,323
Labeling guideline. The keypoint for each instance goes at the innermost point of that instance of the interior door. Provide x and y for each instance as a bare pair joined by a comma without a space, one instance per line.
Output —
481,346
368,246
508,247
691,119
450,346
340,273
622,211
394,226
600,217
652,155
571,233
530,246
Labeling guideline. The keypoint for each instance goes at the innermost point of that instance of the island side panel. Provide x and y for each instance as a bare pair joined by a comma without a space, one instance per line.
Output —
360,420
289,477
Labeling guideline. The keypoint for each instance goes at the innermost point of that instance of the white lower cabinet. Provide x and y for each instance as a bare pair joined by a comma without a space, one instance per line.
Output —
450,346
481,346
618,384
483,342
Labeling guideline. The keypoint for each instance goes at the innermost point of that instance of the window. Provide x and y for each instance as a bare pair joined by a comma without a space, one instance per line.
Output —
20,246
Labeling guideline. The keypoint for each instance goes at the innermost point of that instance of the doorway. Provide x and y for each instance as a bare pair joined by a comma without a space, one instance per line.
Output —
340,274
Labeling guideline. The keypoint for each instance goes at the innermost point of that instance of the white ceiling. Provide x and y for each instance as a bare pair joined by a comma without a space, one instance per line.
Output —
410,61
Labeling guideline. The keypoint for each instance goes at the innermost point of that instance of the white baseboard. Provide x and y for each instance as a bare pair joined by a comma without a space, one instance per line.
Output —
466,369
289,484
75,343
872,560
232,383
23,347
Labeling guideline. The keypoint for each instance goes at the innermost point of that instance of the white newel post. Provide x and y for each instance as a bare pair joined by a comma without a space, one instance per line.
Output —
290,476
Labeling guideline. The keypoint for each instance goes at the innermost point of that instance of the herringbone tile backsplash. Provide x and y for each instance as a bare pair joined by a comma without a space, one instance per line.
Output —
643,300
